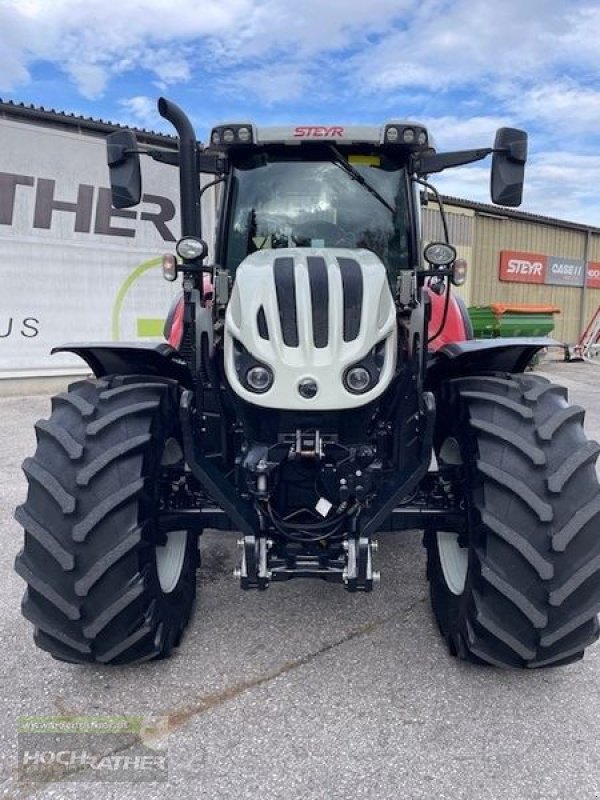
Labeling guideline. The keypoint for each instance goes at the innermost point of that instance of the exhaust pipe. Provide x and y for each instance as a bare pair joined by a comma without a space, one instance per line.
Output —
189,179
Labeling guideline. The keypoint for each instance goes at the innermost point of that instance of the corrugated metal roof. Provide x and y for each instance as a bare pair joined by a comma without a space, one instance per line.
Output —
511,213
31,113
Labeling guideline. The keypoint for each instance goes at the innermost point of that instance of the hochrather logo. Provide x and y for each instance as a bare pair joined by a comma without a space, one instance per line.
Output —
91,210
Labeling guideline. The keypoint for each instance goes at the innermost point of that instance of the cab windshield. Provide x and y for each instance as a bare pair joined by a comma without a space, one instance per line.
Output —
335,200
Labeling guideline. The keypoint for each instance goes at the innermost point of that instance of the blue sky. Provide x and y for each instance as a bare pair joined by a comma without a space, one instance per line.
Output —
465,67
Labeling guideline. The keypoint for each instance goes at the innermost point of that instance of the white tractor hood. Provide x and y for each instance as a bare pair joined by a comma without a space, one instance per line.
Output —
310,315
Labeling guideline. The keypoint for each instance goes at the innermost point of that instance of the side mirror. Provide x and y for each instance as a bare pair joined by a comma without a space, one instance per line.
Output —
124,168
508,167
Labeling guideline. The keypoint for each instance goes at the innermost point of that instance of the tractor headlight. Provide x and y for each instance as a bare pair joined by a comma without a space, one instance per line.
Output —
259,378
190,248
439,254
358,380
252,374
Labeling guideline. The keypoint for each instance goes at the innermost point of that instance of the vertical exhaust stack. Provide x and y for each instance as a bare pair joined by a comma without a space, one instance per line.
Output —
189,185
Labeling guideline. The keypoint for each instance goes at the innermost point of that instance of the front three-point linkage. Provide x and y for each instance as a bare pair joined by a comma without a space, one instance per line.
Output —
264,561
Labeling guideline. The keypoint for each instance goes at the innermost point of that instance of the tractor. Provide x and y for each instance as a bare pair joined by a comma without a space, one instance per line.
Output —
319,385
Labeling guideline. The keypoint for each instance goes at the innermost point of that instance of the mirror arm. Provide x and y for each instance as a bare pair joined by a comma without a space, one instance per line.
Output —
436,163
117,154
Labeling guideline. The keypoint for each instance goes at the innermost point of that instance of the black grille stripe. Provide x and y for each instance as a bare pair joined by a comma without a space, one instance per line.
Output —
352,284
285,286
261,321
319,299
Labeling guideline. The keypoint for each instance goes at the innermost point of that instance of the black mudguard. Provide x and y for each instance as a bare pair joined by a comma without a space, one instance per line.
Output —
483,356
115,358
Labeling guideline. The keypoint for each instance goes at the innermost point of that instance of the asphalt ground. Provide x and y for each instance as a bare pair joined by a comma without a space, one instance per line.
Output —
306,691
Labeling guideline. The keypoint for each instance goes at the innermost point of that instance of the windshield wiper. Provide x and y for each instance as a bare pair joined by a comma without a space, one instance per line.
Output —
343,163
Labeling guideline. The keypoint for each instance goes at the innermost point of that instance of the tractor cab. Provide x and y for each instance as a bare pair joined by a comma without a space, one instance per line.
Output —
320,187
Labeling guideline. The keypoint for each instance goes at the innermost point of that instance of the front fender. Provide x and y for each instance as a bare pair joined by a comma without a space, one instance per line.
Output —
156,360
481,356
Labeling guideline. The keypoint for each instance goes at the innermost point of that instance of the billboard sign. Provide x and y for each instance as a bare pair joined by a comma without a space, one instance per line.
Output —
593,275
73,267
565,271
519,267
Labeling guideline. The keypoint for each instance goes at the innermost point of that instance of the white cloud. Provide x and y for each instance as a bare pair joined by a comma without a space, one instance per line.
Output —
387,45
270,83
462,133
140,110
466,67
564,106
90,79
98,38
472,43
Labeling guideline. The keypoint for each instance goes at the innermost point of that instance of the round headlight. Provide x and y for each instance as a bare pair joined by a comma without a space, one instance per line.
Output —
244,135
216,137
357,380
190,248
422,138
391,134
408,135
259,379
228,135
439,254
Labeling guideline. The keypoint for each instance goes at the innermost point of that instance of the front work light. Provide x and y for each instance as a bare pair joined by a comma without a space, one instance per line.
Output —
190,248
439,254
232,134
412,135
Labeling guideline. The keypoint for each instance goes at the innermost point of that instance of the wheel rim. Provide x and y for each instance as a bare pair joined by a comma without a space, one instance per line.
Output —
170,556
454,559
169,560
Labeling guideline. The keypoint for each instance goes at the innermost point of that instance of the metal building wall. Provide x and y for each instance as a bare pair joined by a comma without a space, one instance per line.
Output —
460,230
592,296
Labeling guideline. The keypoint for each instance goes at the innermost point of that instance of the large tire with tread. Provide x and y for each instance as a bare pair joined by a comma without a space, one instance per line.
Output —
521,587
97,590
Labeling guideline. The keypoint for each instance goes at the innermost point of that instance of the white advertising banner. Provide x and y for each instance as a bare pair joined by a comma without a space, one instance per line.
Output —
72,268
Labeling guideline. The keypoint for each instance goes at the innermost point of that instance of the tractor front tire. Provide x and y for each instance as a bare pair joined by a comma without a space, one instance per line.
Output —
520,587
104,585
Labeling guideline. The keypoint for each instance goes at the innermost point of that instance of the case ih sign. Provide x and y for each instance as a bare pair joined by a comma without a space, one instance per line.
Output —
519,267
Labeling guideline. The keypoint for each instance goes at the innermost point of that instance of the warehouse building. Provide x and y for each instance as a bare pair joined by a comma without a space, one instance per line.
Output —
520,258
74,268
